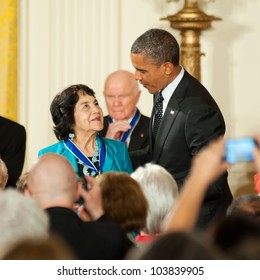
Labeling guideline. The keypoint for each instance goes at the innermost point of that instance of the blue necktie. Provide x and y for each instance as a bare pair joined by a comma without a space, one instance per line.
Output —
158,112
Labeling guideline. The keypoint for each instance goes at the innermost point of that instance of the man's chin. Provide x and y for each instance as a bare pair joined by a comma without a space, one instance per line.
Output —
151,91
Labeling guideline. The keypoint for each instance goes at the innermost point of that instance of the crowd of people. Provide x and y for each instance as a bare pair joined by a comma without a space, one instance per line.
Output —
128,186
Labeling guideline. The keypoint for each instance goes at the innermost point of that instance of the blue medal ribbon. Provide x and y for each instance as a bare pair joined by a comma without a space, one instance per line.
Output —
71,146
102,153
133,122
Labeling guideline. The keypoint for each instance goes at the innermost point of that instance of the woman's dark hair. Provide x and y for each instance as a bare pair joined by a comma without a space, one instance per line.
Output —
62,109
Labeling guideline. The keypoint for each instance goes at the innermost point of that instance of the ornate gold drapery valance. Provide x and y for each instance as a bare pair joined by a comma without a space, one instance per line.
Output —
8,59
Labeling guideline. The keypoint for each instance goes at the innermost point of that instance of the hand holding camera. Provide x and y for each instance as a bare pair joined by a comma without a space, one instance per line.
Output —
92,198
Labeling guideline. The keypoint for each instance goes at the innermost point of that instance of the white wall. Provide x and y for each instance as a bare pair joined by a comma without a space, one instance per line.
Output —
66,41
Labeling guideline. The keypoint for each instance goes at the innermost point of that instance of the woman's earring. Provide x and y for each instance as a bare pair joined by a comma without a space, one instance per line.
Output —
71,135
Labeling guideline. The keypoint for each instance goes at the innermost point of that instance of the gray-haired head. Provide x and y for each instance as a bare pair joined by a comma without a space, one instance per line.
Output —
161,192
21,218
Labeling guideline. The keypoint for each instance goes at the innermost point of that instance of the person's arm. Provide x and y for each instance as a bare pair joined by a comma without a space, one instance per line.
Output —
203,124
257,165
206,167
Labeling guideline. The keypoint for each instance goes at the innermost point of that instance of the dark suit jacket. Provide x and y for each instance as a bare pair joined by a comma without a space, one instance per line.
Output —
98,240
12,148
191,119
140,134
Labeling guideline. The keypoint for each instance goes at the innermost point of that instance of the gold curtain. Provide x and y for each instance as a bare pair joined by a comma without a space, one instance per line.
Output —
8,59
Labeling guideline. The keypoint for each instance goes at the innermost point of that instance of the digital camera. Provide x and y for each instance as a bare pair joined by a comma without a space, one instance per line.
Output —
239,150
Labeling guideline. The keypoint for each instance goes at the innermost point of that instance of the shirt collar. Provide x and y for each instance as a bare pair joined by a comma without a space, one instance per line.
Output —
167,91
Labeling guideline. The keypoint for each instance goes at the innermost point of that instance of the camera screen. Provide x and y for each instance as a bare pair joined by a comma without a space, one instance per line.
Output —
238,150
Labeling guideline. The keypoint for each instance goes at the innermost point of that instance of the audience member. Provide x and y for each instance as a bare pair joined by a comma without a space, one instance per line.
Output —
182,246
51,248
3,175
248,204
161,192
53,183
231,233
124,201
207,165
236,230
247,249
124,122
21,218
257,165
21,184
77,119
12,148
190,116
257,183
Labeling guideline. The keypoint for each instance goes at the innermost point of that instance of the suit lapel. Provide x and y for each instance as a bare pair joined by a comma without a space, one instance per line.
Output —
169,117
137,138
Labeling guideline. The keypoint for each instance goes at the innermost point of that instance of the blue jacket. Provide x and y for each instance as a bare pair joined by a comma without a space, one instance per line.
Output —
117,157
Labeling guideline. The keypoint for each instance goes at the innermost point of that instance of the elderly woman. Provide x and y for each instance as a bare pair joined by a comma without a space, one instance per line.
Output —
77,119
161,192
123,200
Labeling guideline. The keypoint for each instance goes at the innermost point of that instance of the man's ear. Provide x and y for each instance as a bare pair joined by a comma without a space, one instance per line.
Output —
168,66
27,192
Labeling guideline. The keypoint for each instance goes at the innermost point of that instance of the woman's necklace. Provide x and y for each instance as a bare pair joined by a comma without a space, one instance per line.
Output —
95,157
87,171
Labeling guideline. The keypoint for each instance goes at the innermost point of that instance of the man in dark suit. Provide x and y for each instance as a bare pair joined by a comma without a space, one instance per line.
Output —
190,116
124,122
53,183
12,148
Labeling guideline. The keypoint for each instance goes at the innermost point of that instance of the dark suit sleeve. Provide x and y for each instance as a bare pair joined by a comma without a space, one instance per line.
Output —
140,157
14,159
203,125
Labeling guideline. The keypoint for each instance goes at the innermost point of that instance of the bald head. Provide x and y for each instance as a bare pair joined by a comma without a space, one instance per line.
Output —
53,182
121,93
121,77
